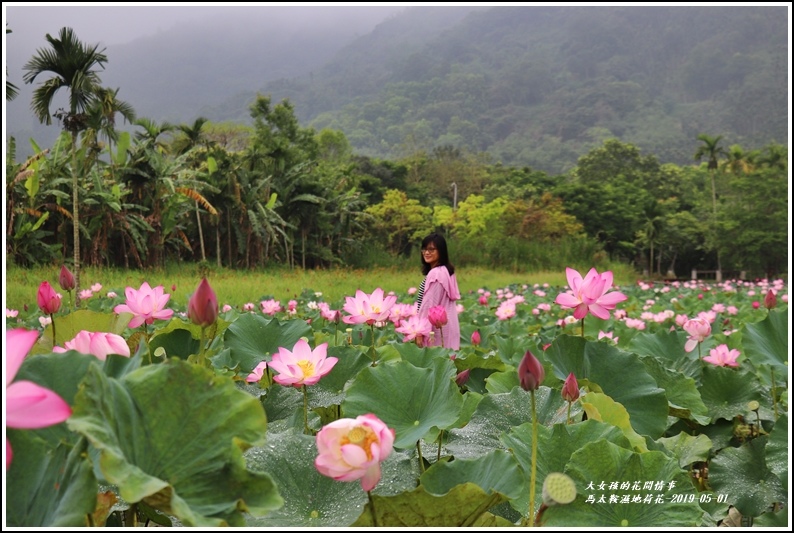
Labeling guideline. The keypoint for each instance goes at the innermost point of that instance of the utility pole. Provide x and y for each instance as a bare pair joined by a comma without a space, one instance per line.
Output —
454,196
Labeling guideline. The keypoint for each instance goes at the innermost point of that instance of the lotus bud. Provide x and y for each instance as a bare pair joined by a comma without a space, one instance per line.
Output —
530,372
202,309
475,338
66,279
770,300
49,301
756,305
462,377
437,316
570,389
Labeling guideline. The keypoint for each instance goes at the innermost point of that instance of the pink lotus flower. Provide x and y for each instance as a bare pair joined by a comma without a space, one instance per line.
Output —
96,343
506,310
11,313
66,279
530,372
146,304
475,338
257,373
415,327
202,308
437,316
721,356
698,329
570,389
483,300
411,291
589,294
603,335
302,365
400,312
49,301
368,308
85,294
270,307
28,405
96,287
351,449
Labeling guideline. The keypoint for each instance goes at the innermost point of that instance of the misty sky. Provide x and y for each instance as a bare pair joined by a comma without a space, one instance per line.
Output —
109,24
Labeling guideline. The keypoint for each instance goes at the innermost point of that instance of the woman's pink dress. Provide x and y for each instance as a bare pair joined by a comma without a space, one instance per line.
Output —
442,289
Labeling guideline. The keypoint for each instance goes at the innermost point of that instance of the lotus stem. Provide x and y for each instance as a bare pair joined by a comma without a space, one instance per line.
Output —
534,466
772,370
372,509
306,429
419,452
583,326
52,319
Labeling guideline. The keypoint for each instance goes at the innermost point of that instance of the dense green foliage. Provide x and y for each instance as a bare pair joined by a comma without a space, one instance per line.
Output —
280,194
540,86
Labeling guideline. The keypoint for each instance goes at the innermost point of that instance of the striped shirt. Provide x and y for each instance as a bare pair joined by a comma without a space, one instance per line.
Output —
420,293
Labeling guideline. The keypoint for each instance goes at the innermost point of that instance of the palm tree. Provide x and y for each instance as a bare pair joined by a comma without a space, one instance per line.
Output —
712,150
74,67
102,119
12,91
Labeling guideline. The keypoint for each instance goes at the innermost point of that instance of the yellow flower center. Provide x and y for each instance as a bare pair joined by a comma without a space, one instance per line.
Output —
363,437
307,367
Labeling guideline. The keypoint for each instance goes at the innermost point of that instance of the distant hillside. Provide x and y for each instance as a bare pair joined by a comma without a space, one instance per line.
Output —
540,86
532,86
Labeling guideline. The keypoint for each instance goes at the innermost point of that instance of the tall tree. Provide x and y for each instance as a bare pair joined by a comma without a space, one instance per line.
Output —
712,150
74,67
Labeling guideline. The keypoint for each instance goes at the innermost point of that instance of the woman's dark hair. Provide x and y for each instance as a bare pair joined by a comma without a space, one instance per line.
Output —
443,254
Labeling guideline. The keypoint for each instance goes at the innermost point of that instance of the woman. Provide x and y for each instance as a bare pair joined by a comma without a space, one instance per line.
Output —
439,288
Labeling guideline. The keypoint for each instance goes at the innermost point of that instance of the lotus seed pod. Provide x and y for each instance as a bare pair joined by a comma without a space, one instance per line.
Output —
558,489
753,405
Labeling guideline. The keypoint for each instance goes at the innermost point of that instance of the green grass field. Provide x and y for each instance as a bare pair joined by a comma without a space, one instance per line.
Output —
237,287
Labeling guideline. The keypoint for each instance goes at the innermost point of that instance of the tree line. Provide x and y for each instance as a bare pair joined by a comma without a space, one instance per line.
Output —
278,193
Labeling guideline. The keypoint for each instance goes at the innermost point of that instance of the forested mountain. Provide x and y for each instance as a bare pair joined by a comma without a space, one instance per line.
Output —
534,86
540,86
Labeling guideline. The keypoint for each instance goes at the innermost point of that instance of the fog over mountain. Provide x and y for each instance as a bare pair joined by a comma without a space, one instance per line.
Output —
169,62
534,85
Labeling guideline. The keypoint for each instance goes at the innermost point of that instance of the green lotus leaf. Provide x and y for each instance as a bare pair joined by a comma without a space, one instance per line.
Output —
682,393
178,341
668,348
310,499
743,475
253,339
688,448
463,506
555,447
502,382
172,435
777,450
495,414
494,472
419,357
766,342
634,473
70,324
726,391
46,485
282,402
603,408
620,375
330,389
408,399
770,520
